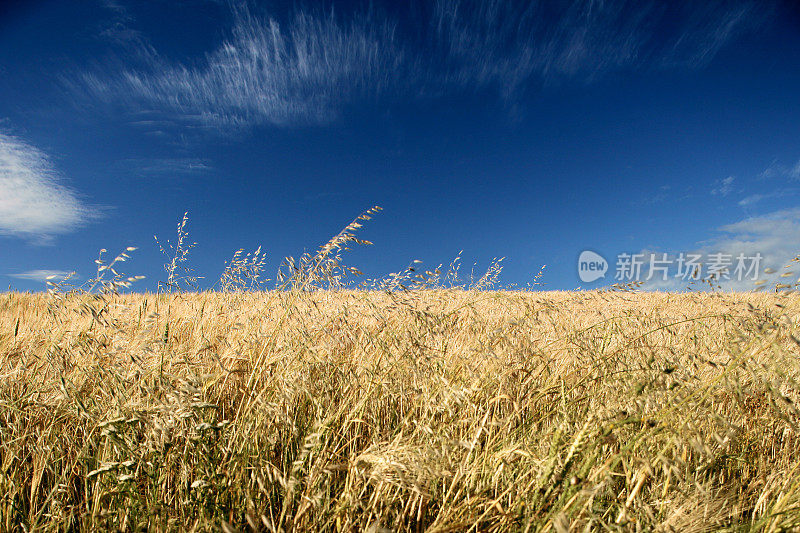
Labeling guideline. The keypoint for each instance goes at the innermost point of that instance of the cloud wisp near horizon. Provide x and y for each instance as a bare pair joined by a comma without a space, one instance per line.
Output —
43,275
34,203
773,236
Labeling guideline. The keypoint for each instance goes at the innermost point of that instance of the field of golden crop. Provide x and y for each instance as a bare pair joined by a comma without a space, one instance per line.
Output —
425,410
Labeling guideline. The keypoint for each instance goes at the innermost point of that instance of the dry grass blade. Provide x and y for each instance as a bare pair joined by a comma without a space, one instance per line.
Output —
431,404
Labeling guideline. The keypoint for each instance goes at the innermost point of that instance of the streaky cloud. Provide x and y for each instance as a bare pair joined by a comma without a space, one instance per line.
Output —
42,275
266,73
512,44
34,204
308,69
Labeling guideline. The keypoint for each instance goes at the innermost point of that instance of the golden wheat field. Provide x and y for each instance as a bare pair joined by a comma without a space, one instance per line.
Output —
425,410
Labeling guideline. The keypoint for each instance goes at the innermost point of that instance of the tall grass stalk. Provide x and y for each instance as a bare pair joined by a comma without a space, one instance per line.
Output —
318,407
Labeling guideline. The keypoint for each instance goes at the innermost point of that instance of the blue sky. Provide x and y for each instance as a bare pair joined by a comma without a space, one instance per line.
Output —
531,131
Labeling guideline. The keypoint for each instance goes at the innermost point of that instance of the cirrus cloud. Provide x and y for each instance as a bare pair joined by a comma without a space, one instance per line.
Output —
44,275
307,69
34,203
265,72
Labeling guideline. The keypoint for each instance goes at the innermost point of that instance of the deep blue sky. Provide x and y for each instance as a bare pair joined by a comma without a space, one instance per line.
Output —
532,131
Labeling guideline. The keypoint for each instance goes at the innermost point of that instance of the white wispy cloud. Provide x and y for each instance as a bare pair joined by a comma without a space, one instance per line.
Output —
34,204
266,73
723,187
783,177
42,275
779,170
706,27
774,236
753,199
169,166
308,69
511,44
